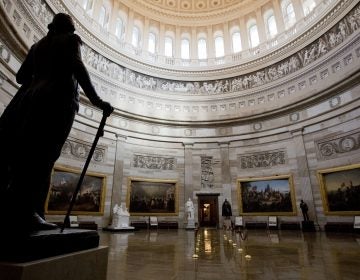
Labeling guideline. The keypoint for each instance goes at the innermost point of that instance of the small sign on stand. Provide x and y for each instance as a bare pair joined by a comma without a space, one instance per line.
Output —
357,222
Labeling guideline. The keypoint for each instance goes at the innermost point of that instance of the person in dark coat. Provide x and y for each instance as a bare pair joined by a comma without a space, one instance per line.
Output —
37,121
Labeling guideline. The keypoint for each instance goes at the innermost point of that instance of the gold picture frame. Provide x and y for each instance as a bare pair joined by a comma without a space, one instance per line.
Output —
267,196
91,197
340,189
152,197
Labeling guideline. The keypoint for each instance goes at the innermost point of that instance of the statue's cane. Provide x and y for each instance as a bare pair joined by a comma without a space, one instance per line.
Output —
99,133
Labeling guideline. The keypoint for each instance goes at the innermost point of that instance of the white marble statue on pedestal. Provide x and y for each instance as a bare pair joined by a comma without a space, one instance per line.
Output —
189,208
121,217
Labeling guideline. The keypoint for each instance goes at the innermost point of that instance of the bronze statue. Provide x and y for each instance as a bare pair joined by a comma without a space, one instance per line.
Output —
226,209
304,210
37,121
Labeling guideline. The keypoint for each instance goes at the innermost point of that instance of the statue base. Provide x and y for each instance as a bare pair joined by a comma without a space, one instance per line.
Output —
82,265
45,244
308,226
190,225
119,229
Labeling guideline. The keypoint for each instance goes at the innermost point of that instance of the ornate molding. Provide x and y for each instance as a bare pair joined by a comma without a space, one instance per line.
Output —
337,146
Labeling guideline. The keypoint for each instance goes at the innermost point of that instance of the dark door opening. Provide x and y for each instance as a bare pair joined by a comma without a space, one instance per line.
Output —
208,210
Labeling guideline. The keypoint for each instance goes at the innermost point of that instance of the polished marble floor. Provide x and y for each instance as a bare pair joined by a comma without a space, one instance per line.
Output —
217,254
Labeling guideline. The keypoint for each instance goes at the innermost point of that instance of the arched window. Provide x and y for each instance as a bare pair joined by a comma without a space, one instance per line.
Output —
185,49
289,14
102,16
168,46
271,26
219,46
119,28
202,52
253,35
87,5
135,39
236,42
308,6
152,42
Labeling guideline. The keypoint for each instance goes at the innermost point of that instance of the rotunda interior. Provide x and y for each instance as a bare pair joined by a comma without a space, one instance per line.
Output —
255,102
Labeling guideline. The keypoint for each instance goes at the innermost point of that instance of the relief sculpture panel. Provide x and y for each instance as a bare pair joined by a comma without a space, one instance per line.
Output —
263,159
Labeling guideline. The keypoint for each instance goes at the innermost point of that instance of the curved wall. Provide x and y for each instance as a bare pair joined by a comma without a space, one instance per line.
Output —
298,124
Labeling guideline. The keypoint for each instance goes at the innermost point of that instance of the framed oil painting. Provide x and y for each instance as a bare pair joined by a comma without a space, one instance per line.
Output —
152,197
267,196
340,190
90,200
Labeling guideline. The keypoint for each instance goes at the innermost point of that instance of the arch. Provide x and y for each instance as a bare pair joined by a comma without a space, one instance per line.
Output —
102,16
185,48
135,37
236,41
152,44
119,28
288,11
252,28
202,48
308,6
88,5
219,46
168,46
270,23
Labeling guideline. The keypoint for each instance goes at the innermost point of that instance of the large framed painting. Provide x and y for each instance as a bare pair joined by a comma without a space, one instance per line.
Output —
340,190
270,196
90,199
152,197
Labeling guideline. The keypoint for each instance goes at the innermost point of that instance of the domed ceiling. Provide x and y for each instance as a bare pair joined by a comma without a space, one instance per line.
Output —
195,10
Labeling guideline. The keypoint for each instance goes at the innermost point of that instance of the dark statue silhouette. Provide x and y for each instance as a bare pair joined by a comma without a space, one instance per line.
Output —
226,209
36,123
304,209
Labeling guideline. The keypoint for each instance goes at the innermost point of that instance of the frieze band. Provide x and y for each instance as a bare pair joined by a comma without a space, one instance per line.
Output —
328,41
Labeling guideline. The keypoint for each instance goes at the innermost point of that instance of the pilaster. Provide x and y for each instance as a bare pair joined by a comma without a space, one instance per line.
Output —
304,190
117,196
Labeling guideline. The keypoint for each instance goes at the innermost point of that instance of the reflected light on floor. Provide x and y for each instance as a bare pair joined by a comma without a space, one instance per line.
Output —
177,254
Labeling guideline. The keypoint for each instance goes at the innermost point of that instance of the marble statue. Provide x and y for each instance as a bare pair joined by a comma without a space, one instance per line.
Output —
189,208
121,217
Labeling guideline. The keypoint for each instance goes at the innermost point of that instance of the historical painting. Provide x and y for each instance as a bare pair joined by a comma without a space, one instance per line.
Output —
340,190
267,196
153,197
90,199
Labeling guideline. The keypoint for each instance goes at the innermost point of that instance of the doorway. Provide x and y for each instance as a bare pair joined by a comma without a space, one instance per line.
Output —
208,210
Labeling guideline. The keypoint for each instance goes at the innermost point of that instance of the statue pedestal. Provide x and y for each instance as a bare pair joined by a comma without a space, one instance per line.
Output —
190,224
81,265
308,226
45,244
119,229
120,223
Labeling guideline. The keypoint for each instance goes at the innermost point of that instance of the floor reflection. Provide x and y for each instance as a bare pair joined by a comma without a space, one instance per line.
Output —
169,254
